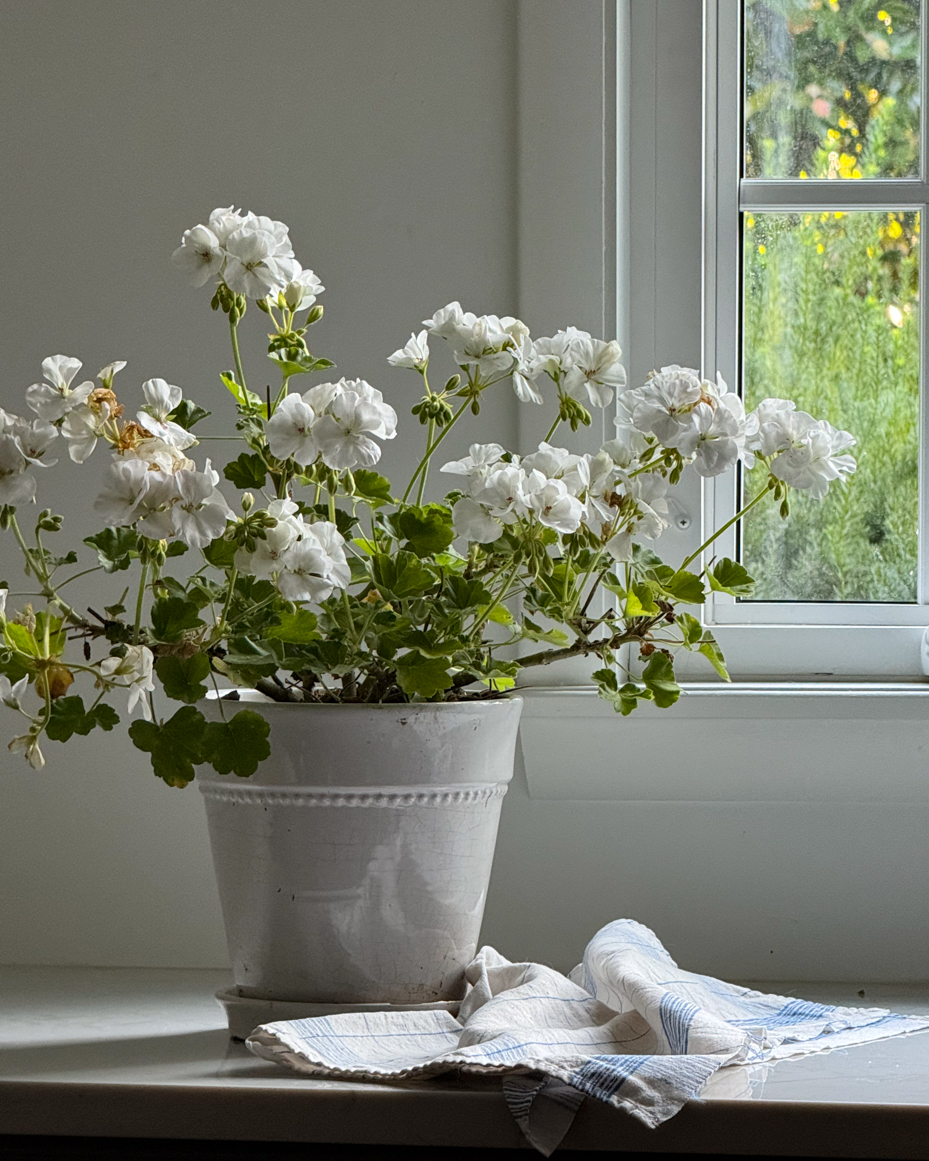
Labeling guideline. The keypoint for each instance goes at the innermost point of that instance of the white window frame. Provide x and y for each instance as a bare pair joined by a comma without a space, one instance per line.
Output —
796,639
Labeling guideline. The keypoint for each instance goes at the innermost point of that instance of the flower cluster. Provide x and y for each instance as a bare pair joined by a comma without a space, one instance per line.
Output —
305,561
318,585
487,346
333,421
251,254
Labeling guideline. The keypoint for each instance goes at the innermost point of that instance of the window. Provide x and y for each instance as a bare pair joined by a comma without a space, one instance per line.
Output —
814,290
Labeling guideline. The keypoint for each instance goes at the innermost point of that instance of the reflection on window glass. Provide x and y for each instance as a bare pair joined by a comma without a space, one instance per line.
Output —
830,319
832,88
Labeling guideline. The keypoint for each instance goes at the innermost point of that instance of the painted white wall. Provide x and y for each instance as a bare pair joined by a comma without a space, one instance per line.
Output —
421,151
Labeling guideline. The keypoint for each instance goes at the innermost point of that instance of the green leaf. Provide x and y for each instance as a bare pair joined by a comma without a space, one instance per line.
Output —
344,521
500,615
186,414
712,652
171,616
238,745
299,364
467,594
19,638
401,575
428,644
220,553
246,471
114,546
176,548
245,398
297,628
629,696
427,530
728,576
681,585
69,717
175,745
535,632
658,676
426,676
691,629
639,600
373,487
57,635
183,677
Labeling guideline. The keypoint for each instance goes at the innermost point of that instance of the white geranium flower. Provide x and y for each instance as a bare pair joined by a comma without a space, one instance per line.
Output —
82,427
309,573
12,695
56,397
251,266
553,355
775,425
277,231
301,291
343,433
594,367
553,462
107,374
332,542
16,485
290,430
503,491
555,507
414,355
161,399
153,515
716,437
813,464
447,322
28,745
629,443
267,558
661,407
199,255
481,458
163,456
387,428
200,512
224,222
475,523
125,481
485,344
134,671
650,494
34,439
525,372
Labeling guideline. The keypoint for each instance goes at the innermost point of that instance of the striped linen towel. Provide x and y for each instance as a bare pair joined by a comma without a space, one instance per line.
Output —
628,1027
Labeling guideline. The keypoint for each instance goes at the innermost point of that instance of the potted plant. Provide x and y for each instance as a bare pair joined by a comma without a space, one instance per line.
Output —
360,641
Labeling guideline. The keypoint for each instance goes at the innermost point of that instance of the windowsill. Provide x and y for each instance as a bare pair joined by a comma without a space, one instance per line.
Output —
745,741
135,1053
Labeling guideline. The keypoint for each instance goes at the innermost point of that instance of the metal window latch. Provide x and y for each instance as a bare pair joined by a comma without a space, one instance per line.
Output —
678,513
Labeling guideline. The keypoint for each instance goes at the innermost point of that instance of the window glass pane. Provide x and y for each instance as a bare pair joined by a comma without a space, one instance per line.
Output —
832,88
830,319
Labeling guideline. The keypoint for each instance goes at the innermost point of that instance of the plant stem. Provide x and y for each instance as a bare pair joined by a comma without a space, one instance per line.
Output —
221,625
424,462
33,568
425,473
553,428
138,605
719,531
235,352
96,568
501,596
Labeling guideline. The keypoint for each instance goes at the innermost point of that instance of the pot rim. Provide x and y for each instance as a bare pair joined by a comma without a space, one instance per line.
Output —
253,697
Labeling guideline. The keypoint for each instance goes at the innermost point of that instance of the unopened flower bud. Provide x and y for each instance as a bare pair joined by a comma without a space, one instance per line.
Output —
248,501
316,313
293,294
7,512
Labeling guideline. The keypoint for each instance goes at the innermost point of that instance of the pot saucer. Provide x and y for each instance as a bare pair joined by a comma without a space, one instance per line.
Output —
245,1013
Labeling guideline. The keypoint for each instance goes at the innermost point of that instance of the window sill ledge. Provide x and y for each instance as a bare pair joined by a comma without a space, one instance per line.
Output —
744,741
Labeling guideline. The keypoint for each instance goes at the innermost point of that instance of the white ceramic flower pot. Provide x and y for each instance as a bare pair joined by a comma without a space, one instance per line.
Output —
353,867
